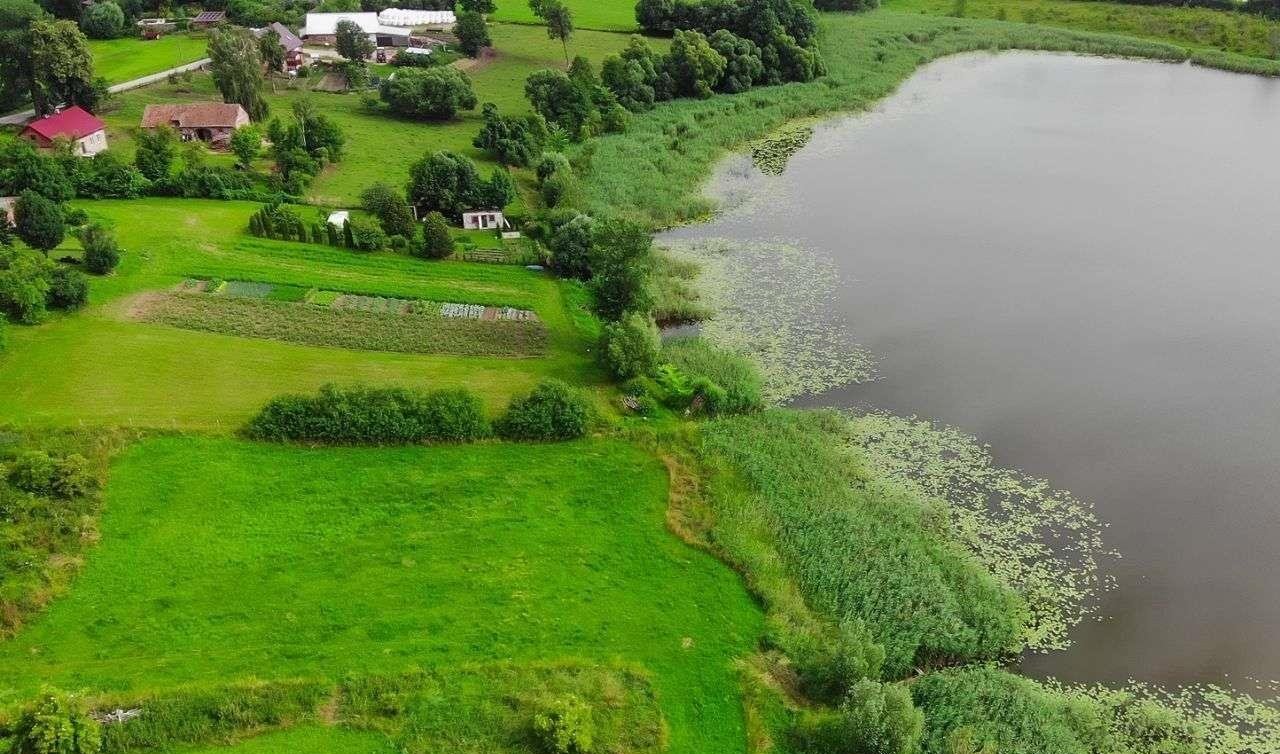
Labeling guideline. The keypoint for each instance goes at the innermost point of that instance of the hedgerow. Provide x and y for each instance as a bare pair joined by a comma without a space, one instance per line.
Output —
552,411
360,415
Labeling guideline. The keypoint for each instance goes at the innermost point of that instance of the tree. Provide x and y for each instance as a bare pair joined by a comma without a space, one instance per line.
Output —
875,718
236,66
472,33
62,68
56,724
511,140
16,17
695,66
626,79
445,182
498,191
352,42
102,20
24,283
620,264
743,66
437,241
629,347
246,143
39,222
558,100
22,168
478,6
570,246
101,253
271,51
391,209
68,289
430,94
558,18
156,148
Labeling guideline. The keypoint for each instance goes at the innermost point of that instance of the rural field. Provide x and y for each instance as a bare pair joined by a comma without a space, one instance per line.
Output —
264,495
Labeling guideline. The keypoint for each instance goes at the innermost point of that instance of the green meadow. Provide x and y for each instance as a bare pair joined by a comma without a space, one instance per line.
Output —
128,58
256,562
601,15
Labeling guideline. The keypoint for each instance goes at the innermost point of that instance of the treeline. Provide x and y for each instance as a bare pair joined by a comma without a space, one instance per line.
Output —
1261,7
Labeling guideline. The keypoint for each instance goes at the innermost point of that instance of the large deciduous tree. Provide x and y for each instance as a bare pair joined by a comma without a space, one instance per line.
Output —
39,221
694,64
620,263
61,67
236,66
559,100
352,42
156,149
472,33
511,140
429,94
271,51
102,20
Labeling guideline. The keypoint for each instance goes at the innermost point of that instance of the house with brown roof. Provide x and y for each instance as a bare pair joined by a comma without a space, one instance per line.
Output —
289,42
209,19
87,134
211,122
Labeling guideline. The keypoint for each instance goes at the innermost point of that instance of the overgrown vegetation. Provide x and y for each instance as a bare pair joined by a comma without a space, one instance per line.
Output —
372,416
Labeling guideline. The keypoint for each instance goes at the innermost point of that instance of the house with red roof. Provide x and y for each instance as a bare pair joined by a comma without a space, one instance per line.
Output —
87,134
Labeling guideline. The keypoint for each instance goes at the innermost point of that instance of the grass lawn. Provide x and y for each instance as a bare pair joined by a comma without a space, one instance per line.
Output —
224,560
128,58
1243,33
96,367
306,739
602,15
381,146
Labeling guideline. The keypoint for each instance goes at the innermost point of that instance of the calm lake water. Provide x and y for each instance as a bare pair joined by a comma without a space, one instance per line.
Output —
1078,261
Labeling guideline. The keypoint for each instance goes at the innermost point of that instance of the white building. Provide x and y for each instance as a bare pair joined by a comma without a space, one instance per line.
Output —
338,218
436,19
322,28
484,219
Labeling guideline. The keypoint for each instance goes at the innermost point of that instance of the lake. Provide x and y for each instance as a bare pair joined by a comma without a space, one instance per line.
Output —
1077,260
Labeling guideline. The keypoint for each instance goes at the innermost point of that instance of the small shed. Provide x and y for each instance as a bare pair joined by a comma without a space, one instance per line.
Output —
209,19
338,218
484,219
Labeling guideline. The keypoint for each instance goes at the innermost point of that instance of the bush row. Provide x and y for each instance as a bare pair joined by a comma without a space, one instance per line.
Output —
382,416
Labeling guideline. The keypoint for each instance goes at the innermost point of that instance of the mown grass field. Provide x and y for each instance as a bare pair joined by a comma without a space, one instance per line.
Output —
262,561
128,58
1243,33
97,367
602,15
380,146
306,739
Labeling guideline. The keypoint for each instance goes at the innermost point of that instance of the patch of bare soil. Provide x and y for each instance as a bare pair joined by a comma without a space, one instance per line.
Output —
488,56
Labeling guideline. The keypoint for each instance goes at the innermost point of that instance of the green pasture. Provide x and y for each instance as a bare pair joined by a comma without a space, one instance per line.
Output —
602,15
223,560
100,368
128,58
305,739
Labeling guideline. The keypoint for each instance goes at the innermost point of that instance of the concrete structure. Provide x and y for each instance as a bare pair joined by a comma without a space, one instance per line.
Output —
322,28
484,219
418,19
87,134
211,122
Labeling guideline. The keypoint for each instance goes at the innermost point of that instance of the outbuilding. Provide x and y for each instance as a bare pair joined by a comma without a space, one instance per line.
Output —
209,19
339,217
484,219
87,134
322,28
289,42
211,122
418,19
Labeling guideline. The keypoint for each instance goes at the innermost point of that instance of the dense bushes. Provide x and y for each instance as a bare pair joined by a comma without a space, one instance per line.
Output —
736,381
449,183
565,726
362,415
102,20
553,411
30,284
629,347
511,140
875,718
428,93
56,724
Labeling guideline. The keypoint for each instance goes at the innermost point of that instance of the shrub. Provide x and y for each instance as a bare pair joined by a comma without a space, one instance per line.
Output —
738,381
875,718
437,241
35,471
429,93
390,207
365,236
68,288
565,726
371,416
101,254
629,347
553,411
828,662
102,20
56,724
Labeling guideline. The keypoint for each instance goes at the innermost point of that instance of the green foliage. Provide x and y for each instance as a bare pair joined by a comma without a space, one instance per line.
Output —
351,41
695,66
558,18
743,66
363,235
35,471
155,151
511,140
25,277
472,33
553,411
23,169
846,5
236,67
389,206
429,93
829,661
56,724
638,76
854,547
371,416
102,20
68,288
620,263
565,727
570,244
447,183
61,67
246,145
271,51
38,221
875,718
629,347
437,240
727,383
559,100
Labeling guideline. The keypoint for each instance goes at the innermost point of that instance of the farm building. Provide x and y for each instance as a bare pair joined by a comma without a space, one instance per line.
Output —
322,28
291,44
211,122
484,219
418,19
209,19
87,134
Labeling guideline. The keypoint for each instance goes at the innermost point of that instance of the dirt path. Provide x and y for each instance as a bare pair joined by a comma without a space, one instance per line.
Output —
488,56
